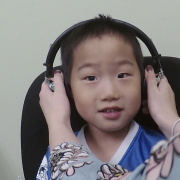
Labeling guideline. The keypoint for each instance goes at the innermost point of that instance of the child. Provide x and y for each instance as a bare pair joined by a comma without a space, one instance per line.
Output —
103,69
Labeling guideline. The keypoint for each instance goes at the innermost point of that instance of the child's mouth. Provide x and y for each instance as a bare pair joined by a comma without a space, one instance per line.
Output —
111,113
110,110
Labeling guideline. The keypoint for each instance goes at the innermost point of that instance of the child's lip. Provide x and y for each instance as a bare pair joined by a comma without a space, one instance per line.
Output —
111,108
113,112
111,115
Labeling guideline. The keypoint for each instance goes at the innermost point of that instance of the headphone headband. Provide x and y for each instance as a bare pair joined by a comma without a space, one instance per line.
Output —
141,35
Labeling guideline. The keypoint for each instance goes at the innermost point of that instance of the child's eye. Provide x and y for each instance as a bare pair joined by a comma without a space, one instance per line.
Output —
122,75
91,78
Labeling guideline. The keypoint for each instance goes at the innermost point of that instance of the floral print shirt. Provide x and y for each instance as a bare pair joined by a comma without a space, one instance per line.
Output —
71,161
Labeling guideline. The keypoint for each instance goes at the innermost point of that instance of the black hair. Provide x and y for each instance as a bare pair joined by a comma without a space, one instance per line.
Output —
97,27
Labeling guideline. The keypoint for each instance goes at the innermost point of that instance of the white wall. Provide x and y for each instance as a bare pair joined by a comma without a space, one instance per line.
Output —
28,27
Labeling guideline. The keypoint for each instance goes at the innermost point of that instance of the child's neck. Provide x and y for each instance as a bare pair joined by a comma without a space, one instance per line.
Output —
105,144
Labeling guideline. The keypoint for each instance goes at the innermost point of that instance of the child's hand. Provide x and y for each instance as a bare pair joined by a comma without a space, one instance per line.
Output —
55,105
161,102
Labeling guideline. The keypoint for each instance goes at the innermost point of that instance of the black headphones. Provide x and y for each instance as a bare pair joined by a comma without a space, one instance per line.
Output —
138,33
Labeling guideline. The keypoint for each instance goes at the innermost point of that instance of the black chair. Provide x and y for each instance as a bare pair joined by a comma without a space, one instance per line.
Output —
34,131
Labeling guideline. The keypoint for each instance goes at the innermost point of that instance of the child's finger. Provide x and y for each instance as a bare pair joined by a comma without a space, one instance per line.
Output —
58,81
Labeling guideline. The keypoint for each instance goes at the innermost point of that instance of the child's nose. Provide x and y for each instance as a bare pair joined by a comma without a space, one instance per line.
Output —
109,92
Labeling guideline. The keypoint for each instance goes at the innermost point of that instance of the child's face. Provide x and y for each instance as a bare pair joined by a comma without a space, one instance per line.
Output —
106,82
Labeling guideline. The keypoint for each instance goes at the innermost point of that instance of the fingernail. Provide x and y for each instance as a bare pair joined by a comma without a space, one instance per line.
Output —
149,68
57,71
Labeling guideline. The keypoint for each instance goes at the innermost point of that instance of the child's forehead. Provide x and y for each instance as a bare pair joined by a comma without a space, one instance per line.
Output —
104,41
103,47
104,37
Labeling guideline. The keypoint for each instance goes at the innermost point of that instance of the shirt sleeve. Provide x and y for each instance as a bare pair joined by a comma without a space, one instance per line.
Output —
42,173
163,163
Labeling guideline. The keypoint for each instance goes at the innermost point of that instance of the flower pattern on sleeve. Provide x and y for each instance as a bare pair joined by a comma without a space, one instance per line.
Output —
64,155
161,159
113,172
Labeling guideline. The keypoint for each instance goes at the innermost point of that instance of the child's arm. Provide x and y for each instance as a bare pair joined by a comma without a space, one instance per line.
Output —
56,108
161,103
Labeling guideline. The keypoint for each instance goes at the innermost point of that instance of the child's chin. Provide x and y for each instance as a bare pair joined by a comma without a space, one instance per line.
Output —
112,129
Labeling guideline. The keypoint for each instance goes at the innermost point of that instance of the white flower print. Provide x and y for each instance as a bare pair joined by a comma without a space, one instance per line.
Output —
64,155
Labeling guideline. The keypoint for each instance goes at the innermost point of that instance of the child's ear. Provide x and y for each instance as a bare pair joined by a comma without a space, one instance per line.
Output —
145,108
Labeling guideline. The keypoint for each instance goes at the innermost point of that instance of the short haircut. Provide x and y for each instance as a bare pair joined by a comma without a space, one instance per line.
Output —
99,26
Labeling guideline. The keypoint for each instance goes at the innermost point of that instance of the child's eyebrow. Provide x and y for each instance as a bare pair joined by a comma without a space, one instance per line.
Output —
123,62
88,65
119,63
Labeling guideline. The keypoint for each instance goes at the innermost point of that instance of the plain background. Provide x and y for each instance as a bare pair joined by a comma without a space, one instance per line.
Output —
27,28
